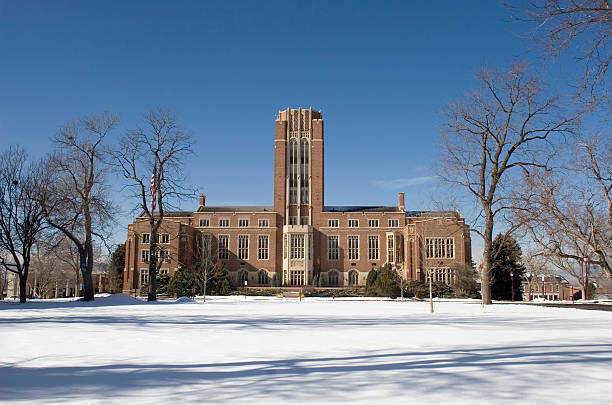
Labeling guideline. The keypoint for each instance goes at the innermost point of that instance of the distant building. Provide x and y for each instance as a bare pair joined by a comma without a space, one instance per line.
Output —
550,288
299,239
54,283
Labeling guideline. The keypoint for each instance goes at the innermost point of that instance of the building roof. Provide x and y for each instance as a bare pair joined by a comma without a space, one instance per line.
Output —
432,214
358,208
236,209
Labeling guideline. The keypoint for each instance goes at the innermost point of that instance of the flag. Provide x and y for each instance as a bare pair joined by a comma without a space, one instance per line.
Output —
153,190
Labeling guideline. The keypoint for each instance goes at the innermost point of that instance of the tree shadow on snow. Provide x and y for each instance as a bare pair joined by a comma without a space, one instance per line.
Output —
472,373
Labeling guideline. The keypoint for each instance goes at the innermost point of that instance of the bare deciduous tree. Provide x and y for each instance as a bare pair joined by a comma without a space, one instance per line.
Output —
574,210
78,202
506,125
151,159
582,25
21,216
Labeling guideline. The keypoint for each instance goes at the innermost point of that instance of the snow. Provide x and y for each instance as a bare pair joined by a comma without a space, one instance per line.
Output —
270,350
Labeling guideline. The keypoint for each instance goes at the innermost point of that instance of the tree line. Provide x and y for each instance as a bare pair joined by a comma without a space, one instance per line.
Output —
536,163
62,201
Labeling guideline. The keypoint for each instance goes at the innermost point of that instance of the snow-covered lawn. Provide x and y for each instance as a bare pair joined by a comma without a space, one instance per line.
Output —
237,350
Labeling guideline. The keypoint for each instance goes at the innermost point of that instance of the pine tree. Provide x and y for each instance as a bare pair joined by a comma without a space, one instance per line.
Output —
506,258
116,268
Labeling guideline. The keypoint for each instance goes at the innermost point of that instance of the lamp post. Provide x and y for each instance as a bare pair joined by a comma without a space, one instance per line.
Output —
586,278
430,272
512,283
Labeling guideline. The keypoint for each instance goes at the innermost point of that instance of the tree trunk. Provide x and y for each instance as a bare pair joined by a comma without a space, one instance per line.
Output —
485,274
154,257
23,283
88,292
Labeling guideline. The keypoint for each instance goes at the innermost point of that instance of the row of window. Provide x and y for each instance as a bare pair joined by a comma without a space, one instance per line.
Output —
242,222
443,274
161,238
262,277
333,278
164,255
263,247
354,223
333,247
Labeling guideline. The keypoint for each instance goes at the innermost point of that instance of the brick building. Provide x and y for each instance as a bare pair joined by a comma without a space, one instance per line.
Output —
299,238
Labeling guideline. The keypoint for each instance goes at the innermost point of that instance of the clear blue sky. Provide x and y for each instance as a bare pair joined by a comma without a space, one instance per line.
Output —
380,72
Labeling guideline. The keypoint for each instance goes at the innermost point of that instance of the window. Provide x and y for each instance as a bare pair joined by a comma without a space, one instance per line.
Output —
243,222
297,277
206,245
353,247
293,171
163,272
353,277
243,247
263,248
204,222
303,220
144,256
223,247
224,222
243,277
144,276
390,249
304,171
164,238
146,238
332,223
262,277
297,247
442,274
393,223
440,248
353,223
165,255
373,250
262,223
332,277
332,247
292,220
373,223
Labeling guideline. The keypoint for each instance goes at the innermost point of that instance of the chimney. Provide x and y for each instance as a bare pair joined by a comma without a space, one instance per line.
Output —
401,202
202,200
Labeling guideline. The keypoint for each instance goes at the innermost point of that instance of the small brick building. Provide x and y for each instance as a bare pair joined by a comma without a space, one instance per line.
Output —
298,238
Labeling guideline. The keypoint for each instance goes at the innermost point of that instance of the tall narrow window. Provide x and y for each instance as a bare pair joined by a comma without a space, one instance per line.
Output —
373,247
353,247
332,247
304,171
223,247
144,276
243,247
390,249
263,248
297,247
293,171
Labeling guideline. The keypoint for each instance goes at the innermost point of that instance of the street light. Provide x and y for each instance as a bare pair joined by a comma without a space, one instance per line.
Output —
512,283
586,278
